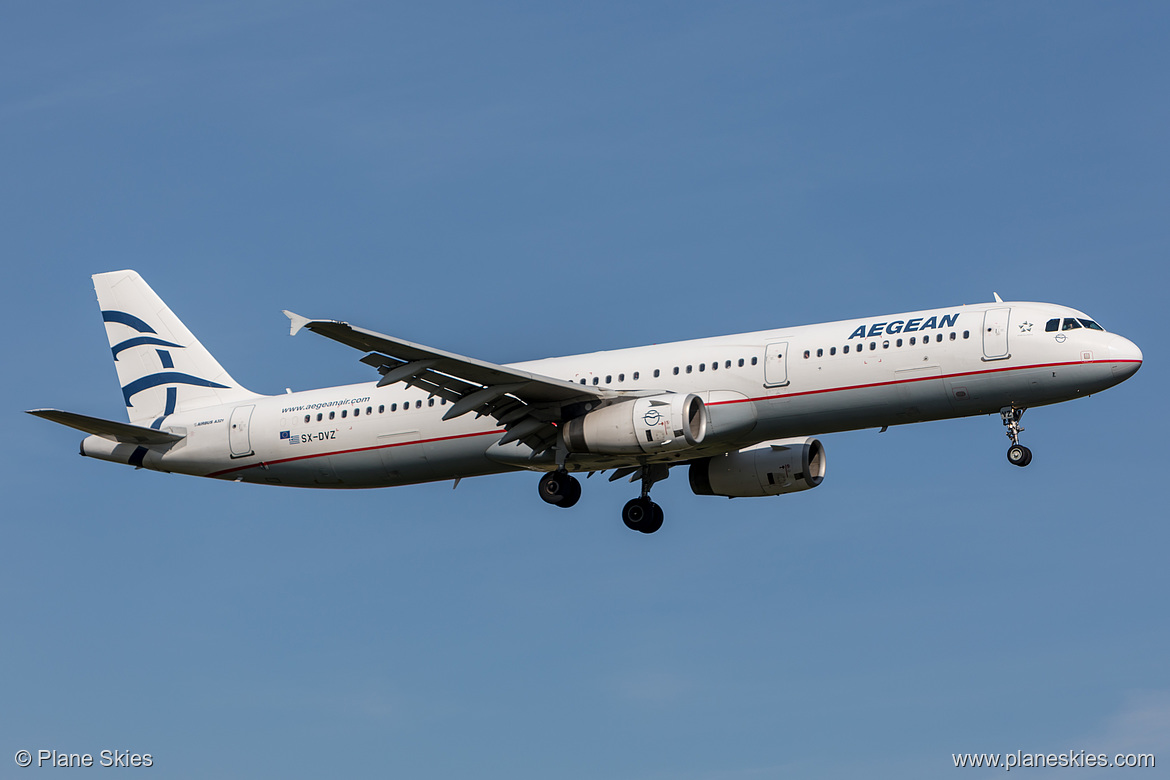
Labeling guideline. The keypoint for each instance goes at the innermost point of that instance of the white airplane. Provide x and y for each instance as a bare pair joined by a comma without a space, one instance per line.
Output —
740,411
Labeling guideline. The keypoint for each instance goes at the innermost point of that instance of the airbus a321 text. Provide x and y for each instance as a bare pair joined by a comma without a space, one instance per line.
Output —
740,412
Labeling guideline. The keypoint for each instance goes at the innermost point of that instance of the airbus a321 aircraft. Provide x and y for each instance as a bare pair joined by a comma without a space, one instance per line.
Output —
740,412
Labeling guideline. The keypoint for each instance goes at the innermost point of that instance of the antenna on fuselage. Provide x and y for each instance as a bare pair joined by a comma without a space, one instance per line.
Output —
997,298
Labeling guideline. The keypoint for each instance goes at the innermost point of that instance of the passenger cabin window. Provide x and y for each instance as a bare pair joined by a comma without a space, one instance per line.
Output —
966,334
609,379
753,361
702,366
418,404
596,380
820,353
318,417
430,402
394,407
331,414
621,377
832,350
676,370
845,350
307,417
636,374
656,373
727,364
741,362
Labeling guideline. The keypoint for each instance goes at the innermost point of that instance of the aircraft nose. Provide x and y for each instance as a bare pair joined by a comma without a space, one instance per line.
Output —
1125,356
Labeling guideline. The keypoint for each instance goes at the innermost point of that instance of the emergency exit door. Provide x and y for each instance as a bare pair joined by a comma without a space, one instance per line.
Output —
776,364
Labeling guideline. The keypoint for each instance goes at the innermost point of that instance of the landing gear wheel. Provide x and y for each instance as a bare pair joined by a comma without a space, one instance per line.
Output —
655,521
573,495
560,489
642,514
1019,455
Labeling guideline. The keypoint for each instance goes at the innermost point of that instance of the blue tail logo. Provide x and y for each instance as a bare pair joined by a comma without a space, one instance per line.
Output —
164,356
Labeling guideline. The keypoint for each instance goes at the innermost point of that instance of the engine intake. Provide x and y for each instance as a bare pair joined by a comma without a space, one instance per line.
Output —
658,423
768,469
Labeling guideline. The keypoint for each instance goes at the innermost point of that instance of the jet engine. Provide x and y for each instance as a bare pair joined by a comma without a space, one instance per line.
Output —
768,469
658,423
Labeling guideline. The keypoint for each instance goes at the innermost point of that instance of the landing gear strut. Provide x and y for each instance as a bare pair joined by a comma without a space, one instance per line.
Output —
642,514
560,488
1017,454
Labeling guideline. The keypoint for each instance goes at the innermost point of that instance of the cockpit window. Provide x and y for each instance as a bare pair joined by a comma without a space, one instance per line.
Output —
1090,324
1070,324
1053,325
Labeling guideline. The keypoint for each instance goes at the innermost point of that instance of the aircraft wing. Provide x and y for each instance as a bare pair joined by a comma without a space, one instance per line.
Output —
527,405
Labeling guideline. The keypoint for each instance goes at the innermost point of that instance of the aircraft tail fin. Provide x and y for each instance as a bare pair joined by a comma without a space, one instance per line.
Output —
162,367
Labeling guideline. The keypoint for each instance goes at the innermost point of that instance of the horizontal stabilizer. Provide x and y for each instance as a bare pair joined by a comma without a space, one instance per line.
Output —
107,429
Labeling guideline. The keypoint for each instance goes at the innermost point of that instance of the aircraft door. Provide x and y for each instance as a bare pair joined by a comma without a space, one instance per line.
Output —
995,334
239,440
776,364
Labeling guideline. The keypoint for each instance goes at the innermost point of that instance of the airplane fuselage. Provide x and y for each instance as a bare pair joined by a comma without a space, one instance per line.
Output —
757,387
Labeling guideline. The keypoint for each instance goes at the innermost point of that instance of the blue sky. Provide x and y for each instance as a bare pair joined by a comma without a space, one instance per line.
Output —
513,181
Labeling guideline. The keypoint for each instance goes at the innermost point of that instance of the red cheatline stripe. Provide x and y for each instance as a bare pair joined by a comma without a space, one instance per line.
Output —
346,452
716,403
918,379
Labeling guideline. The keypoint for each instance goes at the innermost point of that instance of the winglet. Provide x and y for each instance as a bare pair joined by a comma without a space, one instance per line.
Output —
997,299
296,322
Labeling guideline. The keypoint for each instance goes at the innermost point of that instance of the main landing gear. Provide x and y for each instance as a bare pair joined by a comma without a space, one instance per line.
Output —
560,488
642,514
1017,454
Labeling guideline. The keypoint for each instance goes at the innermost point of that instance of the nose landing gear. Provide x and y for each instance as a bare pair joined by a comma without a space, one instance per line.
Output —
1017,454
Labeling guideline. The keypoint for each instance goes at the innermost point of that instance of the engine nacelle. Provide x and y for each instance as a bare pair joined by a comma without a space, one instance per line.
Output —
768,469
659,423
